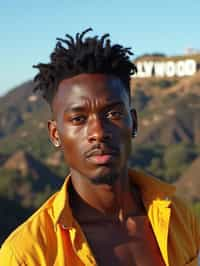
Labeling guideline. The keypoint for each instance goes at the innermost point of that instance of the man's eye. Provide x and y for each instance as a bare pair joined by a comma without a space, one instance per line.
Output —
114,115
78,119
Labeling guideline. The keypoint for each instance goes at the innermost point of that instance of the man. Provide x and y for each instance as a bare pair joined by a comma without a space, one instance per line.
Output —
105,214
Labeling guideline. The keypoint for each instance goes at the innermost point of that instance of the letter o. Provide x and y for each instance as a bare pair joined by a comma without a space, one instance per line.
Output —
180,68
170,69
190,67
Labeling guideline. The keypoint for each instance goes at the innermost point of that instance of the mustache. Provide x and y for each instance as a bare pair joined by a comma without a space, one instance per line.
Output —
101,149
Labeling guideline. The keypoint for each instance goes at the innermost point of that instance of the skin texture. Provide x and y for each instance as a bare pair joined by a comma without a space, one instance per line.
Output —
93,125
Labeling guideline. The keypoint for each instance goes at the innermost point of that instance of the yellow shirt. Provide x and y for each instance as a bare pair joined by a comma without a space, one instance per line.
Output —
52,237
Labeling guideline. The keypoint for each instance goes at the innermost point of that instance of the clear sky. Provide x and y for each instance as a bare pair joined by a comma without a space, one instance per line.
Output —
28,29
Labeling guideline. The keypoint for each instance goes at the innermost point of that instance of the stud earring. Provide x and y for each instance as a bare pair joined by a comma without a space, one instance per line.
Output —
134,133
57,144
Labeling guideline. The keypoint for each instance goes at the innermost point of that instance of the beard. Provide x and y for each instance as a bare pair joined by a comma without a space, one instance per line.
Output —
105,179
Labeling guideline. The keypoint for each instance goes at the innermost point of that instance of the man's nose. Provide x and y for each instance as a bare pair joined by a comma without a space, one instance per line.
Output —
98,130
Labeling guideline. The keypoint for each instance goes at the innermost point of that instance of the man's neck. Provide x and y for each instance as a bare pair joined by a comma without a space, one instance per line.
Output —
113,202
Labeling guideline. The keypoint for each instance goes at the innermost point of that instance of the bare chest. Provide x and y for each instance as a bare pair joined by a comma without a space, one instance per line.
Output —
129,244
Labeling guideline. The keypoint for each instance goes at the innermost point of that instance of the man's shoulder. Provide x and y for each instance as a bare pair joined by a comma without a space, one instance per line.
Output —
152,188
32,233
185,222
182,207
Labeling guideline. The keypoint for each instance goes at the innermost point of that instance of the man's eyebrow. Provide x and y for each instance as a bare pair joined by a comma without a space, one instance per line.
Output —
114,104
75,108
81,108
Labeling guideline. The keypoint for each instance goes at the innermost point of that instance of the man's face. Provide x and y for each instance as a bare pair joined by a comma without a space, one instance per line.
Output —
93,123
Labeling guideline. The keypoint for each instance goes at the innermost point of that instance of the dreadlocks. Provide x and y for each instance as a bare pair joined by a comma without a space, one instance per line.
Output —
83,55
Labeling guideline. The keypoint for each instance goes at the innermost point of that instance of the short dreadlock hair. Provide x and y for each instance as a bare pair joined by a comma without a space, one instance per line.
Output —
73,56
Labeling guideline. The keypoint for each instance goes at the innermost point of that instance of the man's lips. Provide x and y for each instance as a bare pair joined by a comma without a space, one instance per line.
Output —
102,156
101,159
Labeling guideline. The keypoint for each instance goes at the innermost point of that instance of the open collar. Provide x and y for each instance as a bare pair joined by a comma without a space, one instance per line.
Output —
61,208
151,189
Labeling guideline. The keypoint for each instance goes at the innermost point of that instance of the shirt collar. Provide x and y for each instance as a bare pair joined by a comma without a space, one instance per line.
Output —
61,208
151,189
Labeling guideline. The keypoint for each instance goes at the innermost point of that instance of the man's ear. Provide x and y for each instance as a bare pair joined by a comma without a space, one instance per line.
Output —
135,122
53,133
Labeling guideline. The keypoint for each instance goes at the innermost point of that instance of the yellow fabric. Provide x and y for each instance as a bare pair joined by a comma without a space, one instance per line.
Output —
51,236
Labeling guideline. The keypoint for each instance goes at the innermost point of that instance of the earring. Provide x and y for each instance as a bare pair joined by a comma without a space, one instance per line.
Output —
57,144
134,133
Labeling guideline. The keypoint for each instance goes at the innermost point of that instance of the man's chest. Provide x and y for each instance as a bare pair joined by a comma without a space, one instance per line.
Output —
131,243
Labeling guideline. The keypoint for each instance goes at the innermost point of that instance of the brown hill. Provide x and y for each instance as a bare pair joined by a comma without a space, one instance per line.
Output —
176,121
189,184
30,178
186,85
18,107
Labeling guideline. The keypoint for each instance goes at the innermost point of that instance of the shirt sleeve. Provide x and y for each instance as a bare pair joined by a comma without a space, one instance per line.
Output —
197,230
8,258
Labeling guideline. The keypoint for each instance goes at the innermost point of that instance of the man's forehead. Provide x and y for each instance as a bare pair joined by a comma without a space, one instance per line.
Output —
97,81
90,86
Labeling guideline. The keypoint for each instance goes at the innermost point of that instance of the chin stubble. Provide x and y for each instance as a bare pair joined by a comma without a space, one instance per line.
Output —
105,179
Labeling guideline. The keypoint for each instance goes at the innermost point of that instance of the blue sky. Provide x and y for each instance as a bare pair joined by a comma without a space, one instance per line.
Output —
28,29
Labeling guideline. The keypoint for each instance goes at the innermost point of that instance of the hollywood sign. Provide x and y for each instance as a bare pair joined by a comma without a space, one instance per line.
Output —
146,69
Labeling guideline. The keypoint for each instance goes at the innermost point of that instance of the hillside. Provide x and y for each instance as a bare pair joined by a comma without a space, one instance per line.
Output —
26,180
189,184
